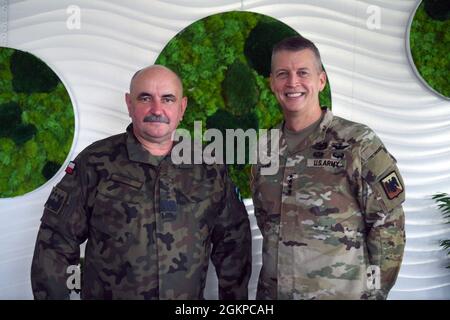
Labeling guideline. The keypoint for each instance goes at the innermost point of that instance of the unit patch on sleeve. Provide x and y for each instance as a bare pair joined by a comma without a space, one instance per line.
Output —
392,185
56,200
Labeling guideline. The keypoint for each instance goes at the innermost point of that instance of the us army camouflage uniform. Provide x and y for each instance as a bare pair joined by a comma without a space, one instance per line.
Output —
331,218
151,228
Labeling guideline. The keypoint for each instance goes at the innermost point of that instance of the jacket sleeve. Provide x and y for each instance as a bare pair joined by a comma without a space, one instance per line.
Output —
232,250
383,193
260,214
63,228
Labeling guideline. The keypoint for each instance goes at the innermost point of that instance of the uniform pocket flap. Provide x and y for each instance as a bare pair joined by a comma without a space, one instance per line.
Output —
128,181
377,165
122,189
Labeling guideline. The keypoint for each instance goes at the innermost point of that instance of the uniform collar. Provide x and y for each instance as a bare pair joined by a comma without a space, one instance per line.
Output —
136,152
316,137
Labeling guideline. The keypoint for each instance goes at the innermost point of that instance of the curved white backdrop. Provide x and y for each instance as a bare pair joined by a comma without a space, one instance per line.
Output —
371,81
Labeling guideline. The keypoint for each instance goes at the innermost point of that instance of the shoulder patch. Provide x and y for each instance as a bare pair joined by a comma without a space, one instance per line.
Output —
56,201
392,185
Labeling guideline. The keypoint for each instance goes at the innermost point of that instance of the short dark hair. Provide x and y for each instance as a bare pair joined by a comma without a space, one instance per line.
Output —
297,43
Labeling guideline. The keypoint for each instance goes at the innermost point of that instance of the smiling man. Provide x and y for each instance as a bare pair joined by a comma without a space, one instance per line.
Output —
331,217
151,225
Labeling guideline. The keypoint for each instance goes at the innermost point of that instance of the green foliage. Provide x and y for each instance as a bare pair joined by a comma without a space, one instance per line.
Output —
23,133
325,96
201,54
438,9
239,88
50,168
241,173
430,49
9,118
226,88
223,120
267,109
37,129
443,200
259,44
31,74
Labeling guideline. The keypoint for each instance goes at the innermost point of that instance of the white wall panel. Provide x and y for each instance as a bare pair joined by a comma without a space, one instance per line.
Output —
371,80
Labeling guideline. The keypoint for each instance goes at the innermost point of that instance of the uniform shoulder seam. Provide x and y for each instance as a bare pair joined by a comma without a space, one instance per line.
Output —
112,141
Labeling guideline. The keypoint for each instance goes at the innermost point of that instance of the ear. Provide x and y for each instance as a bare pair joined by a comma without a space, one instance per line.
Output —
129,104
322,80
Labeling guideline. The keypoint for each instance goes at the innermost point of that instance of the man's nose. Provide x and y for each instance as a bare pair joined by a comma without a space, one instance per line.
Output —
156,108
292,80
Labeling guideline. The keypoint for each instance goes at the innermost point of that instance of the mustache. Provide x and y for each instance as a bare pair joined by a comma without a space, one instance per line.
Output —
154,118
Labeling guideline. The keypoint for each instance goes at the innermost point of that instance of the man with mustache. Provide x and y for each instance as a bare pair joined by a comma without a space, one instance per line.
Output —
331,218
151,225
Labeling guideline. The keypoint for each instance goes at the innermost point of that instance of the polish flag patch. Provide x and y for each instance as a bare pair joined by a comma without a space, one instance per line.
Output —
70,167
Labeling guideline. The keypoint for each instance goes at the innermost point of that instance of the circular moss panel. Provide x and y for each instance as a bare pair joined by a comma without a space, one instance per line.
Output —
36,123
429,45
224,63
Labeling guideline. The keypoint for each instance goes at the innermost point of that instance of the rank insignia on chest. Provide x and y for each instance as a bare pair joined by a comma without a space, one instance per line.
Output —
325,163
340,146
168,209
70,167
392,185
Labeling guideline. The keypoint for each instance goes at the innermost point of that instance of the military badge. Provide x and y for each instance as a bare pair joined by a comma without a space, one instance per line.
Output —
168,209
56,200
392,185
340,146
320,145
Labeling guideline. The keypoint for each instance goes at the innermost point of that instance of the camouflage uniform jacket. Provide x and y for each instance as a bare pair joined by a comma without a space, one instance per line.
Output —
150,228
331,218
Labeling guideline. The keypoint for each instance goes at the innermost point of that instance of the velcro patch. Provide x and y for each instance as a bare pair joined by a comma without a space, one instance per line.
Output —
56,200
324,163
168,209
168,206
392,185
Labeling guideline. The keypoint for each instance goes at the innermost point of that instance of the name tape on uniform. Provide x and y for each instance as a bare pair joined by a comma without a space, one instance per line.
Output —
325,163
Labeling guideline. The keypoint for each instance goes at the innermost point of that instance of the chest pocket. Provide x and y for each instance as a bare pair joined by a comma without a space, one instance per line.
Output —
267,191
197,191
197,200
118,207
191,184
329,213
325,183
